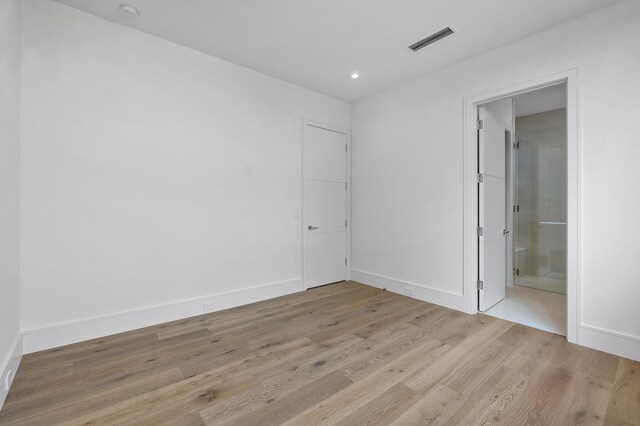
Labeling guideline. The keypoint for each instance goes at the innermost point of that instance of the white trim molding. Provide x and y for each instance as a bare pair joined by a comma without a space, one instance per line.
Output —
570,77
9,367
613,342
420,291
52,336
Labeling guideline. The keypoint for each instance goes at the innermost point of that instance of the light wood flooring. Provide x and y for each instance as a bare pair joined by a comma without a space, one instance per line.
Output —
345,354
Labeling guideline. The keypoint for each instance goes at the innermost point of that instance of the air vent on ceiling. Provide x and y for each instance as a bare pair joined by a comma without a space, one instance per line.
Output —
431,39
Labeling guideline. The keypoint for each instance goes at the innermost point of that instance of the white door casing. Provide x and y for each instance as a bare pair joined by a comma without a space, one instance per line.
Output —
575,330
496,119
325,211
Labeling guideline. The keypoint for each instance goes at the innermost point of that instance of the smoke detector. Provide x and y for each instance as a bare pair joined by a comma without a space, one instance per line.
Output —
128,11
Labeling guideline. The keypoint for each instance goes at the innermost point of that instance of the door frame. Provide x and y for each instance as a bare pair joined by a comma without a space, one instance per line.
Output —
510,157
470,254
303,215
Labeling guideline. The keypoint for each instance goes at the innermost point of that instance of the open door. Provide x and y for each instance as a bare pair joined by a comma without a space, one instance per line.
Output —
494,124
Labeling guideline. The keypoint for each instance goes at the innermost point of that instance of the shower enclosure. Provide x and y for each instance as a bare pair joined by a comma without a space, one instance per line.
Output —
540,201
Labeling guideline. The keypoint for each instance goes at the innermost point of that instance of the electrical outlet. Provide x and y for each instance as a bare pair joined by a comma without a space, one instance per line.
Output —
8,379
408,291
209,306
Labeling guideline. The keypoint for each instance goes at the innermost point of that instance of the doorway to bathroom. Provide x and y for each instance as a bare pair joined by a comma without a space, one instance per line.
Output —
522,208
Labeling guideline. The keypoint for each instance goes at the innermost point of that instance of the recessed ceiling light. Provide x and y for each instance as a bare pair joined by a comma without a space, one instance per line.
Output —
355,75
128,11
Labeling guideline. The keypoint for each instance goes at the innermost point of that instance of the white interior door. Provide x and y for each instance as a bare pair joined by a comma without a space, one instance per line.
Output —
326,206
496,118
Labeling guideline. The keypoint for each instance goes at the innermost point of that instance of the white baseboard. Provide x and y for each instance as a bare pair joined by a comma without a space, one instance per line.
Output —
9,367
39,339
620,344
421,292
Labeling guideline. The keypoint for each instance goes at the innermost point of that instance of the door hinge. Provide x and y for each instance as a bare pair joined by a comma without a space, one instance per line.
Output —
480,231
480,178
516,145
516,209
345,186
346,148
345,261
480,124
480,285
345,223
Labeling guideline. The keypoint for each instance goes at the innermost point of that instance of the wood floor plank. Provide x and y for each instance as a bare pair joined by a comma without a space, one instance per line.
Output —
193,351
85,352
550,380
300,309
586,402
339,354
500,394
277,412
265,356
625,396
170,402
352,357
32,380
126,352
363,317
59,410
371,385
588,398
285,383
383,409
434,408
468,377
116,374
460,354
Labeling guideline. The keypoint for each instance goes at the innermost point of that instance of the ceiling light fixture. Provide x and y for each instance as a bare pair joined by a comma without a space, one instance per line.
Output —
128,11
355,75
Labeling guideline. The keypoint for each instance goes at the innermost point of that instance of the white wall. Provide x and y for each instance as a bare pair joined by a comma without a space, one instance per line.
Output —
9,187
408,167
134,191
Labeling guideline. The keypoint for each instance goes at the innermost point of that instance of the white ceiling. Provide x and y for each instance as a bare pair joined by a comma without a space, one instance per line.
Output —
318,44
542,100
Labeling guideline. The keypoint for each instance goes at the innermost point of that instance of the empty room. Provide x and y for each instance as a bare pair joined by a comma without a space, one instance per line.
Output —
301,212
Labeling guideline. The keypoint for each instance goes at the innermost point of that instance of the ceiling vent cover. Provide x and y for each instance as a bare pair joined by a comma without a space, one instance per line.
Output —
431,39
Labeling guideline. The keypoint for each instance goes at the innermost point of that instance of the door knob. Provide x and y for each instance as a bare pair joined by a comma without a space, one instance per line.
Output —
312,228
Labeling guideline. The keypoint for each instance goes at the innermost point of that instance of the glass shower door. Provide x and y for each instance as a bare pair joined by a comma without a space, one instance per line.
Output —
540,197
552,211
